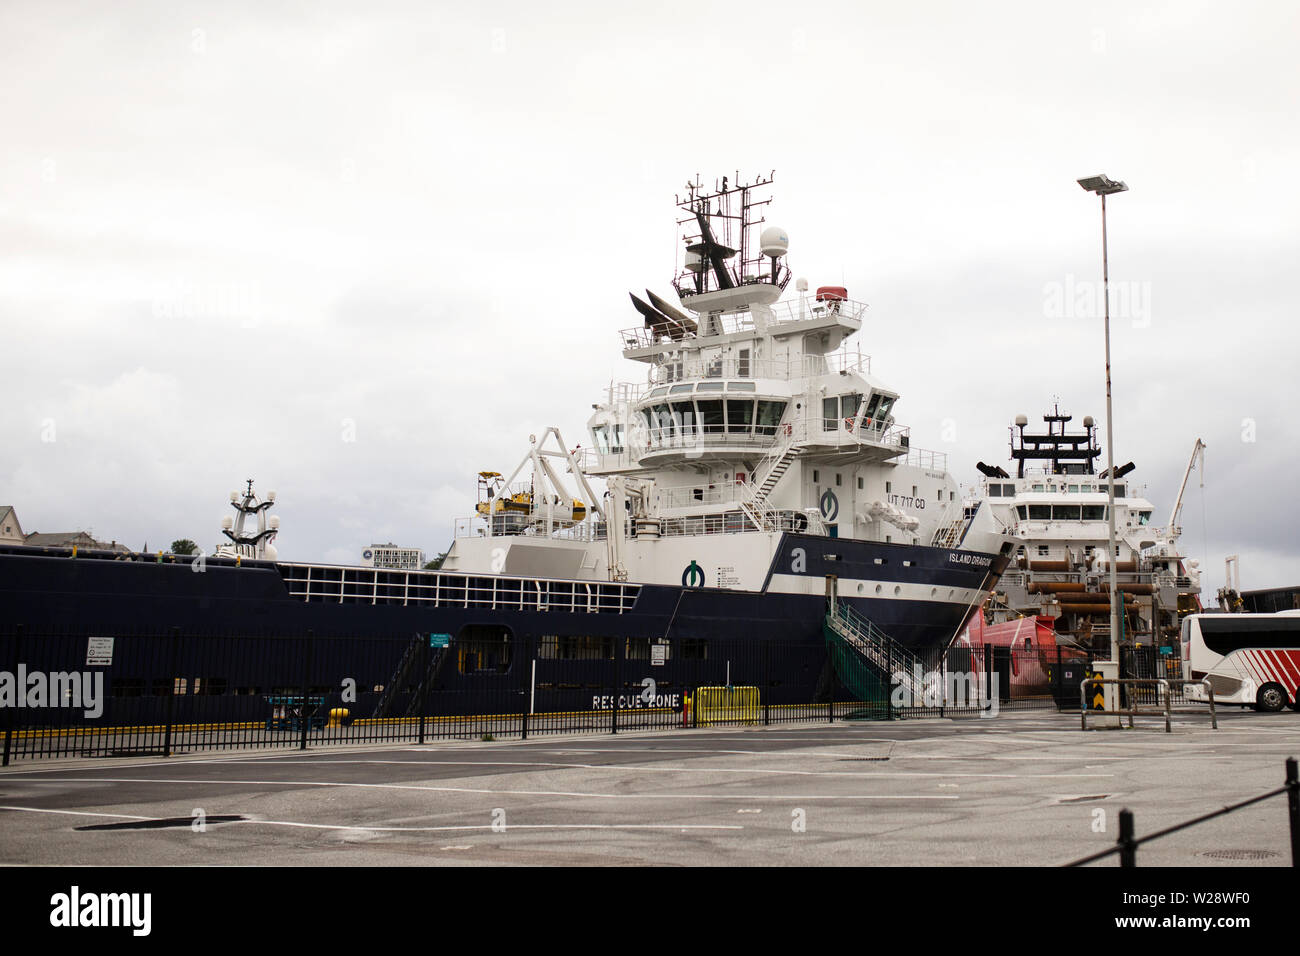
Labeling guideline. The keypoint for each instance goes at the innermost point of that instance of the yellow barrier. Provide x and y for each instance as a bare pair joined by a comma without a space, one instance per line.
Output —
730,704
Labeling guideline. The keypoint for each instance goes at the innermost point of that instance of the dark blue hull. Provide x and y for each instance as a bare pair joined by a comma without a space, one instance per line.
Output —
237,631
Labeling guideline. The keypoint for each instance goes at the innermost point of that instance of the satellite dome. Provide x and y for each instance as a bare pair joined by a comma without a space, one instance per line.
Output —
271,553
774,241
273,522
1087,421
227,522
1021,420
801,285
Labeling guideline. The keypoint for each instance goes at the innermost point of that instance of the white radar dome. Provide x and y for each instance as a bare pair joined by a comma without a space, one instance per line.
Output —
273,522
227,522
271,553
1022,420
234,496
1087,421
774,241
801,285
270,496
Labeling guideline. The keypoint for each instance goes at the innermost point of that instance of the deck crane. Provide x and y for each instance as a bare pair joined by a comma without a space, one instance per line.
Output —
1197,449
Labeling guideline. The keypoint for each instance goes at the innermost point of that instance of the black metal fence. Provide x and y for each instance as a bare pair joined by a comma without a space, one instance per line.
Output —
1127,845
71,694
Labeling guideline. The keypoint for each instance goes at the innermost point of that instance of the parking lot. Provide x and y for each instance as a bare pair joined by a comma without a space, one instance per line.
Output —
1029,789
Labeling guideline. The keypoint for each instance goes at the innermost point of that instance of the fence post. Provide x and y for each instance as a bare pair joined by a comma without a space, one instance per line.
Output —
889,680
988,674
767,681
1293,808
424,682
303,718
943,680
1127,845
617,669
13,716
525,675
171,695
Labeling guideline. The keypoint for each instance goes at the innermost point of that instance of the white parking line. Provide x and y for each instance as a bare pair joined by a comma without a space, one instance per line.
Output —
495,792
652,768
505,828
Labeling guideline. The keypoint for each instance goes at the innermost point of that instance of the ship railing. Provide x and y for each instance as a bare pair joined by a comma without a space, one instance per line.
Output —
845,311
804,307
685,496
334,584
746,370
846,433
738,522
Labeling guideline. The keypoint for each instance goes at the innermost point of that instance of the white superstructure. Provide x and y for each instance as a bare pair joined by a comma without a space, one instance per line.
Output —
753,419
1056,508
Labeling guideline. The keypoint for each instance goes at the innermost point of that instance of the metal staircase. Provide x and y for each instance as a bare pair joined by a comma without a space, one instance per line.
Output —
767,476
888,663
409,665
951,533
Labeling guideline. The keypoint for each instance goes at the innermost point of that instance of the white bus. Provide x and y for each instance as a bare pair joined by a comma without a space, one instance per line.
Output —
1249,658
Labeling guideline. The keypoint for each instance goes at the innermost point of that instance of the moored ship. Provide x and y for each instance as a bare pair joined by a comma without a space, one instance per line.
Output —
755,476
1055,505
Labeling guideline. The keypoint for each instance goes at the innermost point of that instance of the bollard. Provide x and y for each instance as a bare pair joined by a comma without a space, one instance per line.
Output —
1293,808
1127,845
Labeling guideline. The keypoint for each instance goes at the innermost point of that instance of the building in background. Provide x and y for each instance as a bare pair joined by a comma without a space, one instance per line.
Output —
392,557
11,532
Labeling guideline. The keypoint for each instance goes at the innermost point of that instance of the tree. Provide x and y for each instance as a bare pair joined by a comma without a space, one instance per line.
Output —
436,563
183,546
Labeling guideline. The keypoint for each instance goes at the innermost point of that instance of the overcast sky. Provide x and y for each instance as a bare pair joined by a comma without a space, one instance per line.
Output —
235,236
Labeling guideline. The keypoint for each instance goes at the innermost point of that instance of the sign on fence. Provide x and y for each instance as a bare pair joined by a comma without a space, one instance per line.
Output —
99,651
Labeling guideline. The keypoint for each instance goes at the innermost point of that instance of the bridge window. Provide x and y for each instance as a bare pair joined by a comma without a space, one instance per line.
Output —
769,417
711,417
830,414
1067,512
1040,512
1094,512
740,416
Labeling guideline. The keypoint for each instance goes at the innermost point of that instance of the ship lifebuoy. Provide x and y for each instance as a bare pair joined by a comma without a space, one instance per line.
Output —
789,429
848,424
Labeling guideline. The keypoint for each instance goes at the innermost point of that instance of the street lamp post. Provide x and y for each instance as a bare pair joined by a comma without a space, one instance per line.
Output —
1103,187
